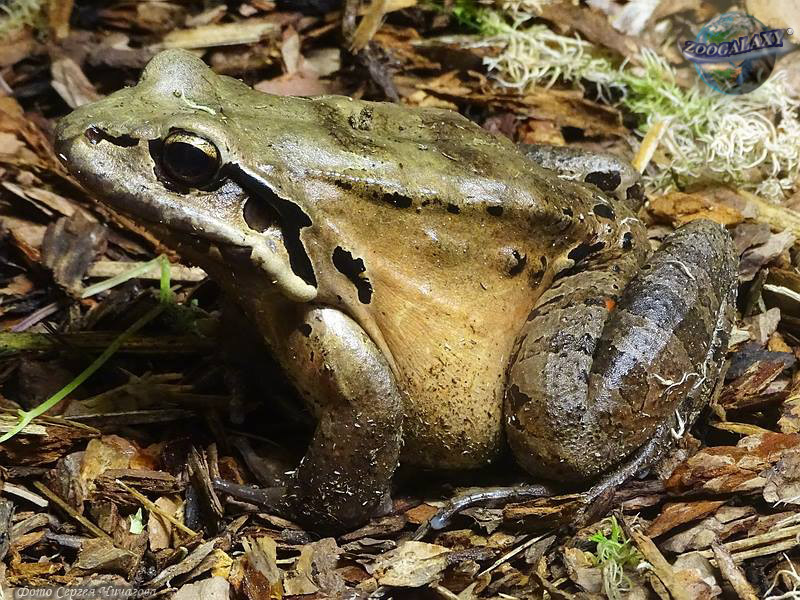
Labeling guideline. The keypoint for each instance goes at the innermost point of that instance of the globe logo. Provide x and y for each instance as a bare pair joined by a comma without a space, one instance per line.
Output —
735,53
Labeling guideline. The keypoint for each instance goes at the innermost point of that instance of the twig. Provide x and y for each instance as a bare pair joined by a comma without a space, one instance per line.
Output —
153,508
55,499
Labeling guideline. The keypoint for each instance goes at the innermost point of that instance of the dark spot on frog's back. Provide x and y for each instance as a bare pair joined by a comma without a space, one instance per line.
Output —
362,120
581,251
627,240
603,210
495,211
352,268
398,200
453,209
342,184
608,181
519,265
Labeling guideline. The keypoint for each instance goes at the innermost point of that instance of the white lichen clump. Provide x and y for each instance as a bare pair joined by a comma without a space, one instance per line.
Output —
535,56
750,140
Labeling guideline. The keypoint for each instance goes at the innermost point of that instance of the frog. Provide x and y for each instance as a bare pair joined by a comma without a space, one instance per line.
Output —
438,296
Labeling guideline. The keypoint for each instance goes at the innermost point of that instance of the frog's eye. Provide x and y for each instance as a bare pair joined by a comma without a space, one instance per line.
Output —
189,158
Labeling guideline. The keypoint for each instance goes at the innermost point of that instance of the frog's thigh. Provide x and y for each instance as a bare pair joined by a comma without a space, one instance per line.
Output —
355,449
608,172
591,379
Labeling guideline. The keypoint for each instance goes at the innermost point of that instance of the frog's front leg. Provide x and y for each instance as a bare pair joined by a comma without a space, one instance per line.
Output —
355,449
597,373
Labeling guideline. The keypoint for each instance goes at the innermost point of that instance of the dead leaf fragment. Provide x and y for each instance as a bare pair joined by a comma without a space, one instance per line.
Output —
71,84
262,578
413,564
675,514
250,31
108,452
160,530
732,469
315,570
100,556
678,208
758,256
726,522
213,588
783,480
69,246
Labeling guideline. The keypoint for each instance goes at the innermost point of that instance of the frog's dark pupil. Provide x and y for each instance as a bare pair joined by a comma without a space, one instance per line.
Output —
189,162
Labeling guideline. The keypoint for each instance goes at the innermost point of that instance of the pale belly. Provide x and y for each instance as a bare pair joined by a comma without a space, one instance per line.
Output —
451,368
453,415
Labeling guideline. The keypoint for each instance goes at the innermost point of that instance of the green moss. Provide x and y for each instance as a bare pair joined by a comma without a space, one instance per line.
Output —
614,553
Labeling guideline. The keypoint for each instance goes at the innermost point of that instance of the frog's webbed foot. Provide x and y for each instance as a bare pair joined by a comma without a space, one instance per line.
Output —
270,499
601,373
608,172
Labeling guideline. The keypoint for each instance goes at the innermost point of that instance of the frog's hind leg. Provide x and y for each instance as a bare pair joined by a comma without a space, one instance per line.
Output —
611,174
596,375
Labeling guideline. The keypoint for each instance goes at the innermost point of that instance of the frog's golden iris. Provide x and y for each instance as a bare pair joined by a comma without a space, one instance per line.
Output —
189,158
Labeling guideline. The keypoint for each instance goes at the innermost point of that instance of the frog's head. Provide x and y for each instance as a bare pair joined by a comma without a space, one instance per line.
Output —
176,152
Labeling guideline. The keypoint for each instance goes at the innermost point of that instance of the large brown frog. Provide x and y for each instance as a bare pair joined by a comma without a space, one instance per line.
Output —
432,293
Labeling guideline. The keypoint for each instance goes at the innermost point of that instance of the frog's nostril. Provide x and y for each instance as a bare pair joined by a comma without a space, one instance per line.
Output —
259,215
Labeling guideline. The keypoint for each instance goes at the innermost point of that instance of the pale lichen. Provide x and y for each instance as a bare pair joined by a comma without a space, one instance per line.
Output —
19,14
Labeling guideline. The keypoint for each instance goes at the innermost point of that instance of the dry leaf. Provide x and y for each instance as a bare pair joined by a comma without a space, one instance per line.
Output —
758,256
412,564
71,84
213,588
108,452
675,514
783,480
726,522
678,208
732,469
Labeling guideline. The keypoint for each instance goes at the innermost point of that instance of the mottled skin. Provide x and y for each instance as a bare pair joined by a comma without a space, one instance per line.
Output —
410,271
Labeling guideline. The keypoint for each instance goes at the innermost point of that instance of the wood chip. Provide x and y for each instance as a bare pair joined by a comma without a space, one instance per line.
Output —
226,34
186,565
733,574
